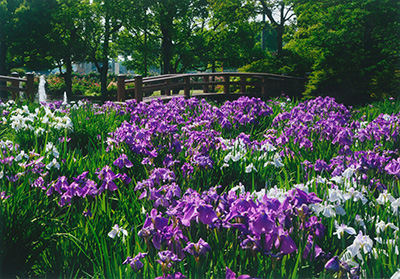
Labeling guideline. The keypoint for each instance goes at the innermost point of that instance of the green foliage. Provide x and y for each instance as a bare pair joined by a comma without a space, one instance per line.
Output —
21,72
289,63
354,47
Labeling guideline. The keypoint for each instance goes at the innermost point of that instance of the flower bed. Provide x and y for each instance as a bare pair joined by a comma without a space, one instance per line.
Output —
245,189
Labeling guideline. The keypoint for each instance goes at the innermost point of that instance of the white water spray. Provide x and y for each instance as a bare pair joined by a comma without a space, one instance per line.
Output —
42,90
65,100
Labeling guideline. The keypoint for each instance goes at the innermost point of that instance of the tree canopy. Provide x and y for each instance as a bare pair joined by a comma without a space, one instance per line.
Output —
354,46
347,48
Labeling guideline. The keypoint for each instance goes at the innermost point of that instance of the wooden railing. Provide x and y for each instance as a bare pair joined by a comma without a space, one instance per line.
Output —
262,83
15,88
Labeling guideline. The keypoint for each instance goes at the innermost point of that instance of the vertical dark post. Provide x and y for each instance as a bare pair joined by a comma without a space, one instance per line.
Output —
243,84
284,86
30,86
205,87
14,83
139,88
226,84
187,86
121,88
263,87
168,89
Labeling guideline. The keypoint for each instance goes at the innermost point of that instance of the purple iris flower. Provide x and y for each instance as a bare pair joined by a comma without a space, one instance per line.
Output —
344,137
261,223
125,178
108,176
305,143
287,244
189,213
197,249
393,167
60,185
317,250
87,213
169,161
302,197
187,169
65,198
3,195
7,160
315,227
333,264
155,219
320,165
135,262
81,178
122,161
39,182
206,214
62,139
167,258
232,275
203,161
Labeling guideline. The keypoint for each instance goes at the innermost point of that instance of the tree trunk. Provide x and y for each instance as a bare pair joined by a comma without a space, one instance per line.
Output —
167,55
103,80
279,29
104,67
68,77
3,60
166,45
145,54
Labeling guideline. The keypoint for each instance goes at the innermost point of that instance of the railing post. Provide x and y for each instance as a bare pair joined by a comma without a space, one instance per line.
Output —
121,88
30,86
15,83
263,87
242,84
205,87
187,87
226,84
284,86
167,89
138,88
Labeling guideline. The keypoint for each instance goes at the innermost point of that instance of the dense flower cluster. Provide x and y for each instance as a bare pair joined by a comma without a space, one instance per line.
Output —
266,225
265,222
22,119
319,188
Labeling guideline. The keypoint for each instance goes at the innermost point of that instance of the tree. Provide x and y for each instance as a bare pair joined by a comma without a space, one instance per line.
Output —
101,23
7,10
231,34
175,21
284,9
139,39
66,37
354,46
31,46
23,35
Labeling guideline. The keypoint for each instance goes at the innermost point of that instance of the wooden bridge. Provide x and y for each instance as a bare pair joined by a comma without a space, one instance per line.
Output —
262,84
221,85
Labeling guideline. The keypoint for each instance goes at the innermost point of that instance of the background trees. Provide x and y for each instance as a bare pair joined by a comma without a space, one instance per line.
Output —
67,37
348,48
353,45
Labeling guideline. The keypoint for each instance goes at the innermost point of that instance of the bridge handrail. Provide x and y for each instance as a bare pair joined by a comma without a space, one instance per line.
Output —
15,82
165,82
